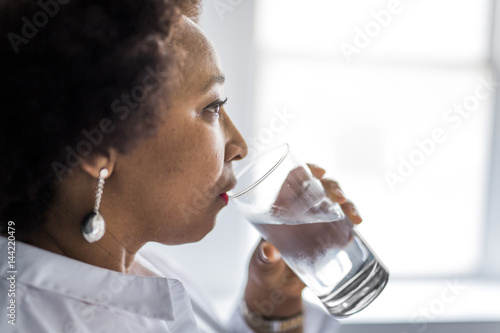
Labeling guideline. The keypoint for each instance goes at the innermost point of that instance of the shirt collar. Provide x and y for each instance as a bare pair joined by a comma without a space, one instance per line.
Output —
75,279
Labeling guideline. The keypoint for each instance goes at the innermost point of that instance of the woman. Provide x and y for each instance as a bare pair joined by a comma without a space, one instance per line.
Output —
126,96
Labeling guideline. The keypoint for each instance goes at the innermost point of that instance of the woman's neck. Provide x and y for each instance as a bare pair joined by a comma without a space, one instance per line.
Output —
109,252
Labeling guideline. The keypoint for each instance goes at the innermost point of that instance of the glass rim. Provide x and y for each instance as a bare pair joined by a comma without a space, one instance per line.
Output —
254,161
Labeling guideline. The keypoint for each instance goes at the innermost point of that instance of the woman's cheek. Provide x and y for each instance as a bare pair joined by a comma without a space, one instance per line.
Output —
205,162
214,145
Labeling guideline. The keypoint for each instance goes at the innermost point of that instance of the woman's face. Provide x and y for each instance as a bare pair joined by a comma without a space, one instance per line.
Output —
168,189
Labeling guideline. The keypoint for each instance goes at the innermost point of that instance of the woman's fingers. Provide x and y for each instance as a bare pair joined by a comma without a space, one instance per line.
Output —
332,187
335,193
317,171
333,190
268,272
352,212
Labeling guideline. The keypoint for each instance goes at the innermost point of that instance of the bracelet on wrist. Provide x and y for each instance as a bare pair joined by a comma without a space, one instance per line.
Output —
262,324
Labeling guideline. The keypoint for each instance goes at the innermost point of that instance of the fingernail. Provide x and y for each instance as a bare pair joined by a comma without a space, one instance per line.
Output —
263,254
316,166
338,192
356,213
268,254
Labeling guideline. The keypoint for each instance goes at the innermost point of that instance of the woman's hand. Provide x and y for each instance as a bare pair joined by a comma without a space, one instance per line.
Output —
273,290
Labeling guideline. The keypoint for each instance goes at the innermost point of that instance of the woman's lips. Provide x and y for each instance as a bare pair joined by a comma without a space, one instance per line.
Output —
224,197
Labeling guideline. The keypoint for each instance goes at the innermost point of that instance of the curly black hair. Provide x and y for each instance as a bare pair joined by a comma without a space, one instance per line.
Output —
77,77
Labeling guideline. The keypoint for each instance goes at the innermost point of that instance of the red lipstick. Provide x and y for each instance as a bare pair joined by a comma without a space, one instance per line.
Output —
224,197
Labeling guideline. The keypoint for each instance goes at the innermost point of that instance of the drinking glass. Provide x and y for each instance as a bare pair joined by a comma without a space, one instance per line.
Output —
280,197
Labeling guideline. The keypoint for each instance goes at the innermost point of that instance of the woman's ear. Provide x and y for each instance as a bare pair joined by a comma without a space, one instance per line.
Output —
95,162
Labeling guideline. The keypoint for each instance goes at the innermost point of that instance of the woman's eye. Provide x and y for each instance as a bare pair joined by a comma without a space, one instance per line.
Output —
214,109
215,106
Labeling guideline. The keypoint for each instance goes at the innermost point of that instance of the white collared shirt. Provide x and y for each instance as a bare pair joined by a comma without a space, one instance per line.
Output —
54,293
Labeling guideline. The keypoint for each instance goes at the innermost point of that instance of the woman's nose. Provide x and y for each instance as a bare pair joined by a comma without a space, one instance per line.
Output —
236,147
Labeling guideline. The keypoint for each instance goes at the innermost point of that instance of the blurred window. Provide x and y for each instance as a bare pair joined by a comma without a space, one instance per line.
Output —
395,99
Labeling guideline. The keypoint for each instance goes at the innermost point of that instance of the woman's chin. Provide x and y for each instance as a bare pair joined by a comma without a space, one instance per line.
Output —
207,228
196,231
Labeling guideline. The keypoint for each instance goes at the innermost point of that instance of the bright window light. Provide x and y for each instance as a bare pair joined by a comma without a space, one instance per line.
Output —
404,123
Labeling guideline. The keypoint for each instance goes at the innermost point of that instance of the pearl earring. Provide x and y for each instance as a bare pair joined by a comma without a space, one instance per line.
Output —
93,225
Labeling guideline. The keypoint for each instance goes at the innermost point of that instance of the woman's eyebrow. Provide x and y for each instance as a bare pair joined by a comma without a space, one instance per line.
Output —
214,80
